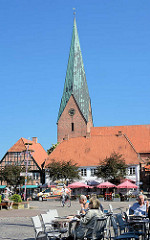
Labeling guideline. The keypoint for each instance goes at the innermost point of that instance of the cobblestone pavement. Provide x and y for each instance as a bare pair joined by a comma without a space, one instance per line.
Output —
16,224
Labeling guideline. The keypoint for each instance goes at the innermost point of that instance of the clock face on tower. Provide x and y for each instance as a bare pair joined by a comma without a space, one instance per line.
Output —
71,112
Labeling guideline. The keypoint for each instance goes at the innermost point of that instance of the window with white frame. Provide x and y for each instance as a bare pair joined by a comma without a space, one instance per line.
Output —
83,172
93,171
131,171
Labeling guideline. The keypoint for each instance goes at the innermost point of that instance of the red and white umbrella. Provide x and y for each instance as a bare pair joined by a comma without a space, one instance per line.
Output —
127,184
106,185
78,185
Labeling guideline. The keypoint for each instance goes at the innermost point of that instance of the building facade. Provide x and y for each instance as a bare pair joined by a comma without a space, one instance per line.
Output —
75,125
30,154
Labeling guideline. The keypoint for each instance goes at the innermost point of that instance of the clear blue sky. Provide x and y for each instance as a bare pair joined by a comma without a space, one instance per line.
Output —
35,38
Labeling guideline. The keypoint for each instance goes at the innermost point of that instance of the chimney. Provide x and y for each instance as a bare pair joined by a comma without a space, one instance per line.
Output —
34,139
66,137
119,134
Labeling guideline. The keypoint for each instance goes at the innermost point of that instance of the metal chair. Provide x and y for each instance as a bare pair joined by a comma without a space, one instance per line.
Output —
123,225
49,228
126,235
53,213
99,228
38,229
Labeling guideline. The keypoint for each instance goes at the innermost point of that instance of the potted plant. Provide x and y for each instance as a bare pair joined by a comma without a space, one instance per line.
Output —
18,203
101,197
132,198
116,197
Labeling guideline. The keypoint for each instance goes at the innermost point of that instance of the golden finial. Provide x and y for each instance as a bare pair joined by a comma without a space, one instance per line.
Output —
74,11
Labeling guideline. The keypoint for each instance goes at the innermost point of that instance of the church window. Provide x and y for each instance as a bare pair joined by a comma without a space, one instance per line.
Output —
72,127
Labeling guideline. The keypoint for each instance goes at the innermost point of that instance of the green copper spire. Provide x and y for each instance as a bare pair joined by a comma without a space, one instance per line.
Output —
75,82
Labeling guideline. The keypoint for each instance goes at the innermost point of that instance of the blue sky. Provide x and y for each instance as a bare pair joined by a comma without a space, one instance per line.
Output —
35,38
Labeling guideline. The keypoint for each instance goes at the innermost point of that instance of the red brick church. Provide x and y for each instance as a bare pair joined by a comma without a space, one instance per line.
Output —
79,140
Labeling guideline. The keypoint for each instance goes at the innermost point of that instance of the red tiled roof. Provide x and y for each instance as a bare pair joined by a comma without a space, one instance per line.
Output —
37,151
139,135
147,168
90,151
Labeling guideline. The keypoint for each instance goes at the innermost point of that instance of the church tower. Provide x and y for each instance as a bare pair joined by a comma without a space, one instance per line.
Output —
75,114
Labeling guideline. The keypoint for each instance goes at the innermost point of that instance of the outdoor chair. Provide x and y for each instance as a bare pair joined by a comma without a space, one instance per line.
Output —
49,228
126,235
39,232
123,225
99,228
53,214
54,230
94,231
111,209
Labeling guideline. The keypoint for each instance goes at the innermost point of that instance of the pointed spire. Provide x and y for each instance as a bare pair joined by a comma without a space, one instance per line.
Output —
75,82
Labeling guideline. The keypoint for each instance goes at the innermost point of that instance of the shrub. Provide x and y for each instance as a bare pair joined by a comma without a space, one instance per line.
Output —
16,198
117,196
100,196
132,196
0,198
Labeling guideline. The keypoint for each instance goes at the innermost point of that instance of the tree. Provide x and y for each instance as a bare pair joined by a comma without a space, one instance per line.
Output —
50,150
11,174
63,170
112,168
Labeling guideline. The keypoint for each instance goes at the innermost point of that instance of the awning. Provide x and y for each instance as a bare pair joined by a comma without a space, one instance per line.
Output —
2,186
30,186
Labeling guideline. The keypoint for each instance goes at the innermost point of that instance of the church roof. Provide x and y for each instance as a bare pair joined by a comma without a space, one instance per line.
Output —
91,151
37,151
75,82
139,135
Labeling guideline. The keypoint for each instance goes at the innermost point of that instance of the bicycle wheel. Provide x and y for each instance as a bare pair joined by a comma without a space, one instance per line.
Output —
62,201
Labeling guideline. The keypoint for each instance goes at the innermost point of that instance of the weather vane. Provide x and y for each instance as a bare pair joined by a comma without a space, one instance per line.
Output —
74,11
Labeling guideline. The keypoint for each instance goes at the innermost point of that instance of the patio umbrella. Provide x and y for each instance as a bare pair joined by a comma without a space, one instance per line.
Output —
127,184
106,185
127,179
78,185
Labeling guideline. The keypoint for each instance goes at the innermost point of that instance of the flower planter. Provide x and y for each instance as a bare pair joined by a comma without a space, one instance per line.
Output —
101,199
132,199
20,205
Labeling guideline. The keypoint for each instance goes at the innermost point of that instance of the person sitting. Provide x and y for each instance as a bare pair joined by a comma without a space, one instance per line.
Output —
140,207
6,199
93,195
86,224
84,203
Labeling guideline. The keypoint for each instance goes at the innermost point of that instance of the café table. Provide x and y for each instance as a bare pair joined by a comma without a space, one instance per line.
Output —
66,222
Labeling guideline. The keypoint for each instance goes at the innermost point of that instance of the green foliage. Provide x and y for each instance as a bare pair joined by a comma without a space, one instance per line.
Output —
112,168
117,196
63,170
0,198
16,198
100,196
11,174
50,150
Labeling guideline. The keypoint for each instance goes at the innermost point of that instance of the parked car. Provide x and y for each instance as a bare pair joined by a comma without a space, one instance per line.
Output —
52,192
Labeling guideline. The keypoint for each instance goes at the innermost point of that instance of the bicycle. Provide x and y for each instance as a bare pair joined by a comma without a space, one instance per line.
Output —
65,201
